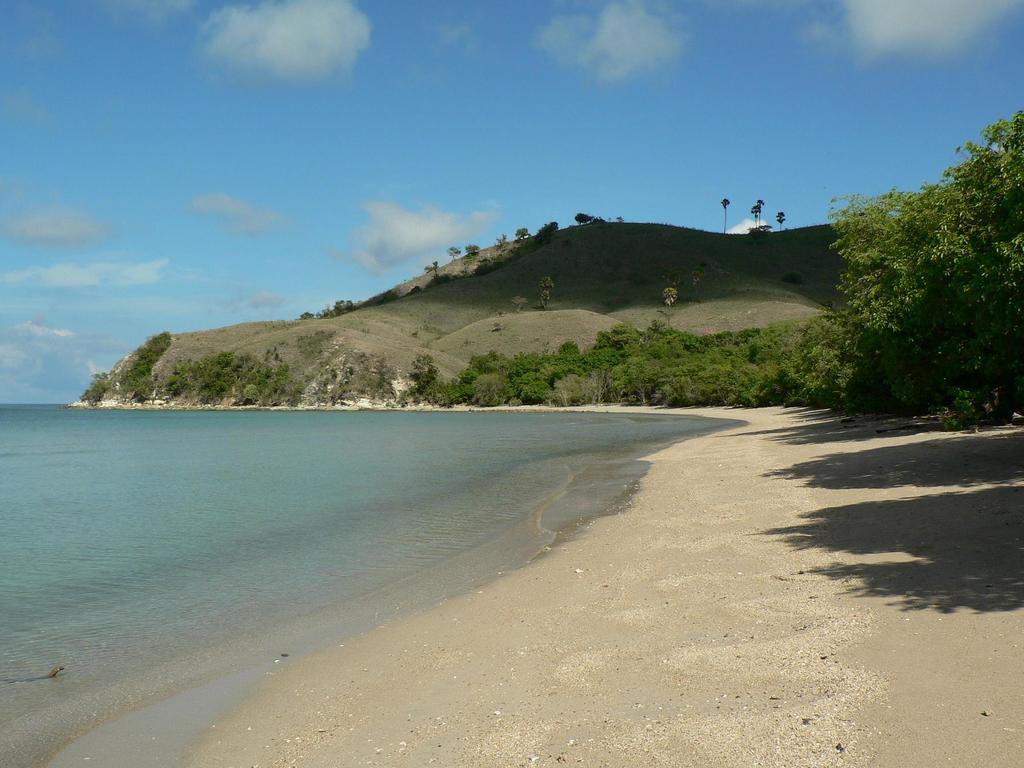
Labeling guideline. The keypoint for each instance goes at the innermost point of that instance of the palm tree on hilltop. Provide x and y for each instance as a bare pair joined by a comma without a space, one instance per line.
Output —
725,207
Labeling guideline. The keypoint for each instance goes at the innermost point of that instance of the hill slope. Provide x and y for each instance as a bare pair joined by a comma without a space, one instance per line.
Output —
603,273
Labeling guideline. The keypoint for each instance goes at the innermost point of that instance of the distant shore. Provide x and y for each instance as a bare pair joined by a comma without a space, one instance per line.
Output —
798,591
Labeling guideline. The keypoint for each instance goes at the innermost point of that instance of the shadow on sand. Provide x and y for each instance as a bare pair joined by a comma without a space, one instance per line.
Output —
995,459
967,546
959,547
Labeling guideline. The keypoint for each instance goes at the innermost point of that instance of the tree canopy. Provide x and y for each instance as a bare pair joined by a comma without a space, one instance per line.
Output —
933,283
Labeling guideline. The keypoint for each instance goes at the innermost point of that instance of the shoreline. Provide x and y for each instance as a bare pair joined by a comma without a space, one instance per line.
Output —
778,594
556,520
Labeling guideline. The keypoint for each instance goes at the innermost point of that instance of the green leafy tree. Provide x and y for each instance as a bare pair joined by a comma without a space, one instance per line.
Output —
522,233
781,218
454,252
424,375
547,287
546,233
670,296
726,202
933,285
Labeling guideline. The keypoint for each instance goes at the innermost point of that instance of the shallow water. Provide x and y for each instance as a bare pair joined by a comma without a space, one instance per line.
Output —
155,551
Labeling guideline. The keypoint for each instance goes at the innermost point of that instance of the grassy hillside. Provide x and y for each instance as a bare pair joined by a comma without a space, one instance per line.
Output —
604,274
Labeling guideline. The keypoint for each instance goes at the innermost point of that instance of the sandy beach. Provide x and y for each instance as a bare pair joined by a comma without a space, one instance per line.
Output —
797,591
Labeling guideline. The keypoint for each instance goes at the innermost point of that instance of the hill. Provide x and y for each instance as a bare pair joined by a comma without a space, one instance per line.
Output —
603,273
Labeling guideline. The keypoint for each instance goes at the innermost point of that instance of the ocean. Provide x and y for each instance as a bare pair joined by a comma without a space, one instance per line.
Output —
150,552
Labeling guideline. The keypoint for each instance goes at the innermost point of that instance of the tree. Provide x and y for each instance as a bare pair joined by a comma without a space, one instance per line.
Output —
454,253
546,233
583,218
726,202
933,285
472,251
547,286
424,375
519,303
670,296
756,212
781,218
431,268
501,242
522,233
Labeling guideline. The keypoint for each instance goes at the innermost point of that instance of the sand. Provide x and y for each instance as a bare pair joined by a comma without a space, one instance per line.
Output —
798,591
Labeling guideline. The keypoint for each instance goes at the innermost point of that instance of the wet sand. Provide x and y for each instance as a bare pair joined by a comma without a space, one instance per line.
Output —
798,591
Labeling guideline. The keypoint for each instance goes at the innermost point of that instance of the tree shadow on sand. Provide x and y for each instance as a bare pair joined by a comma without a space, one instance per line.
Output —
811,426
996,459
967,547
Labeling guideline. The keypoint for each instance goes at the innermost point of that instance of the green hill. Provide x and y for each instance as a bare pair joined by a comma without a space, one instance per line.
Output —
604,274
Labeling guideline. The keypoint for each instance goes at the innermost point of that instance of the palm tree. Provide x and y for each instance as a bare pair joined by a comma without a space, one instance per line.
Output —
726,202
756,211
781,218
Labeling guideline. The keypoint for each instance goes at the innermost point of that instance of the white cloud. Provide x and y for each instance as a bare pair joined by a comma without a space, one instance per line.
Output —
625,39
921,27
394,235
288,39
40,329
929,28
151,10
744,226
39,363
239,216
73,275
59,226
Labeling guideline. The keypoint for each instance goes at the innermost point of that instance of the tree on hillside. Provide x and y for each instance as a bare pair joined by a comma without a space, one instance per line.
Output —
583,218
933,286
472,251
519,303
501,242
546,233
756,212
431,268
424,375
522,233
547,286
670,296
454,252
781,218
726,202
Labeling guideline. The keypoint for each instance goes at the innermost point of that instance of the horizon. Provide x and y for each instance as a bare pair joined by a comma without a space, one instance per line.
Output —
174,165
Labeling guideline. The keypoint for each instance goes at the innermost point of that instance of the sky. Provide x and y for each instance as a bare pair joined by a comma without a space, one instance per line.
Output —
185,164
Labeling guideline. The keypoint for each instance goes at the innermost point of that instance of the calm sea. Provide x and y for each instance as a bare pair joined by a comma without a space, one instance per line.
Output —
152,551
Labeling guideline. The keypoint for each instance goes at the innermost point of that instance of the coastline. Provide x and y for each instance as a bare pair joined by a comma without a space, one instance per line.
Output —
797,591
145,724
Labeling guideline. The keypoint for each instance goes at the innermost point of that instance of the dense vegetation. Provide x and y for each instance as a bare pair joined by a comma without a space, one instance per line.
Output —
933,283
231,377
658,365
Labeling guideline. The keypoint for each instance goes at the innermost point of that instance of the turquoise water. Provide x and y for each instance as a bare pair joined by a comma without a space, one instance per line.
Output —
151,551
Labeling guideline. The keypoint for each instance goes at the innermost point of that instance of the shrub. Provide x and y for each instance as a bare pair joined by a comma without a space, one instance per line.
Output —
490,389
137,382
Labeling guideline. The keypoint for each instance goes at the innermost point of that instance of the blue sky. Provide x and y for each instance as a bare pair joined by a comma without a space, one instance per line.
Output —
182,164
